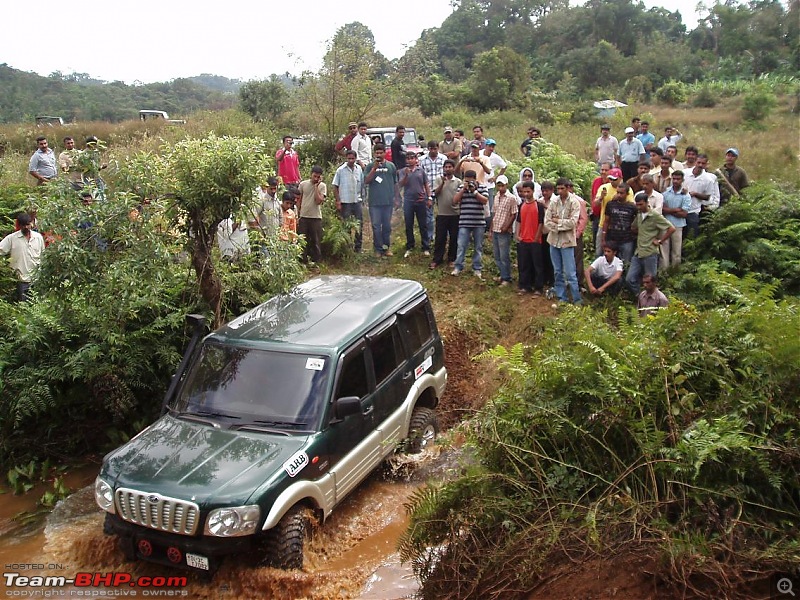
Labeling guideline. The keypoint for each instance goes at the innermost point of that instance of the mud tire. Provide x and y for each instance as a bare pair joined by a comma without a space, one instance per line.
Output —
284,544
422,430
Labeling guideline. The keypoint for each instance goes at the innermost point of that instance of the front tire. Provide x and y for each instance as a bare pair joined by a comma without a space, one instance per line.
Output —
285,541
422,430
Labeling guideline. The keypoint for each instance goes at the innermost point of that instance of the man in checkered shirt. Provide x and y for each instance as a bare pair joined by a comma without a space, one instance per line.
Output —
505,212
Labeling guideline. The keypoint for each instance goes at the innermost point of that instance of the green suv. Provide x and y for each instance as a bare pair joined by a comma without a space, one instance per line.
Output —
275,417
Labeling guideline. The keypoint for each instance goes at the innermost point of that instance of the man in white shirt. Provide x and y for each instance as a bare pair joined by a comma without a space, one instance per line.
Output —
671,138
606,148
704,192
25,249
362,145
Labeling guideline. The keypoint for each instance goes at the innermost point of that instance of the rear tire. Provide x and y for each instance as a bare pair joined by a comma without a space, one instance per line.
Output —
422,430
284,547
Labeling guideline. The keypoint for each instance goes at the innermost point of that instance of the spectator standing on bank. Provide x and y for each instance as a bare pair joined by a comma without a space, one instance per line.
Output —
288,163
416,199
362,145
561,221
344,144
471,198
505,213
447,216
348,183
312,193
381,182
631,153
606,148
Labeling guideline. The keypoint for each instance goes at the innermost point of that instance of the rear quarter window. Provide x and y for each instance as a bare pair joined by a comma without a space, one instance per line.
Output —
417,326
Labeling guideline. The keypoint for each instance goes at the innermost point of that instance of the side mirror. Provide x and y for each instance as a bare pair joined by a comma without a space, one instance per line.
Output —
346,406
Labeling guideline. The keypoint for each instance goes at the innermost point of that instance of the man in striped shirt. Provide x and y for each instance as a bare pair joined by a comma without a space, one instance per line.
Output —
471,197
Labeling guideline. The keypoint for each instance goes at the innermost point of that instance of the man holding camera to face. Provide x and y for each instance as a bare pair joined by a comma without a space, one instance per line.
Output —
471,197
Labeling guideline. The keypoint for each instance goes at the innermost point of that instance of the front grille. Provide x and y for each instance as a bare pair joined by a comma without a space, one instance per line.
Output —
157,512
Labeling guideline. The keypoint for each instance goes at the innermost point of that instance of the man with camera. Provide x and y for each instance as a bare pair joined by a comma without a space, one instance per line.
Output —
471,197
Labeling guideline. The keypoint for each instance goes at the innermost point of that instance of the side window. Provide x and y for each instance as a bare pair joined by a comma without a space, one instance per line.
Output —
387,353
353,379
418,326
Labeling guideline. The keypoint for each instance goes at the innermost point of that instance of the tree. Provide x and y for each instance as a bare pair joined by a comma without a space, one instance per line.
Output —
264,100
500,81
349,85
211,179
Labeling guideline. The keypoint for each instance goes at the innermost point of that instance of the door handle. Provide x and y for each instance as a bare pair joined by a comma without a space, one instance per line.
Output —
407,374
368,410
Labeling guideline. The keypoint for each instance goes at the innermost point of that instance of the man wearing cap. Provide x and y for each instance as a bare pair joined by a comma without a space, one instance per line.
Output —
348,183
505,213
533,135
732,179
652,230
475,161
42,166
344,144
607,147
498,166
450,146
671,138
362,145
631,153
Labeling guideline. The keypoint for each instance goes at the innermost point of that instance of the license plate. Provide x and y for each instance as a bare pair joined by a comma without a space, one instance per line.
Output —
197,561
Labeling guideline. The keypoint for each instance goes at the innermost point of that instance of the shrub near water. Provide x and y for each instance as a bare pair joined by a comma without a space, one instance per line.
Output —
677,430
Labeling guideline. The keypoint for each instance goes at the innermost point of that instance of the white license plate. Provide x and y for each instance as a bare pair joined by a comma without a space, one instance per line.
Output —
197,561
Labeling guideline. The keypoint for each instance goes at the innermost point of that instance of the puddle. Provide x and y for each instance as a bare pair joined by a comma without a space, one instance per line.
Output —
353,555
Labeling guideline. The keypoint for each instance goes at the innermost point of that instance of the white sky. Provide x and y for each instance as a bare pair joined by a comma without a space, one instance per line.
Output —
241,39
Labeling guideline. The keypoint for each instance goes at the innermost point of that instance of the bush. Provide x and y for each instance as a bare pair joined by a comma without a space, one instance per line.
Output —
638,89
677,430
758,103
705,98
672,93
549,161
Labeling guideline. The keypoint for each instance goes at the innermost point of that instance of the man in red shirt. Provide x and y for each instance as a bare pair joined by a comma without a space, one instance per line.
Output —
288,163
343,145
529,242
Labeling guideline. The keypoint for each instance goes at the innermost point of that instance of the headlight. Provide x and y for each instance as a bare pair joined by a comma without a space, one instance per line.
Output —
233,521
104,495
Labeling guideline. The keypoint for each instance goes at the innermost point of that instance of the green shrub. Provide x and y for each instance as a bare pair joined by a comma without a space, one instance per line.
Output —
704,98
672,93
677,430
638,89
758,104
549,161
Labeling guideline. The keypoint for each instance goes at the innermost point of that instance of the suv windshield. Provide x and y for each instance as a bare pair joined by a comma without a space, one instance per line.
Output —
277,389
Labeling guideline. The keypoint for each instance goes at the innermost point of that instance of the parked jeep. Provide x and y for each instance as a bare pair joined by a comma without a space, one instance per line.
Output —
275,416
159,115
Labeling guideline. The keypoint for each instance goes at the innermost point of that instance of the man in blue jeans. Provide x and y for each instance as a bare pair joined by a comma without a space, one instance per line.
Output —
471,197
348,183
561,221
381,181
505,213
416,199
652,230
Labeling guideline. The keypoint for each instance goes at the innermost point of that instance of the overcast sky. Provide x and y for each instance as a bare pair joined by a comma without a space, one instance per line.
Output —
150,41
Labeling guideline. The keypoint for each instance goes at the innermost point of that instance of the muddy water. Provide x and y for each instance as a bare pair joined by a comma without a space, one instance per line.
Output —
353,555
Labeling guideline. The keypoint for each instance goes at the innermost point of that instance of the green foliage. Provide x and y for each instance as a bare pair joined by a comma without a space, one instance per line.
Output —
678,427
638,88
265,100
672,93
757,104
757,233
549,162
500,80
704,98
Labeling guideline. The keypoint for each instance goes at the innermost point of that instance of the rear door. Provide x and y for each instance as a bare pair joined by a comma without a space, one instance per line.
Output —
393,379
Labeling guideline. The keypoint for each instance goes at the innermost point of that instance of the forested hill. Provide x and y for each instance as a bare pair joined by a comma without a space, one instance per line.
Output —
603,44
78,97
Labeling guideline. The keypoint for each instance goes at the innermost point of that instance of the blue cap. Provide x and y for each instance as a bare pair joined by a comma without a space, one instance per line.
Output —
490,142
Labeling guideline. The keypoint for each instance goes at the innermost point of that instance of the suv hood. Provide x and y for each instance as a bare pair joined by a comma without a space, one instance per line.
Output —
198,462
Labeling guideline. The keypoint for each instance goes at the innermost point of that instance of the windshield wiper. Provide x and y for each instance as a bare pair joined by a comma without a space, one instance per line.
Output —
258,427
201,413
